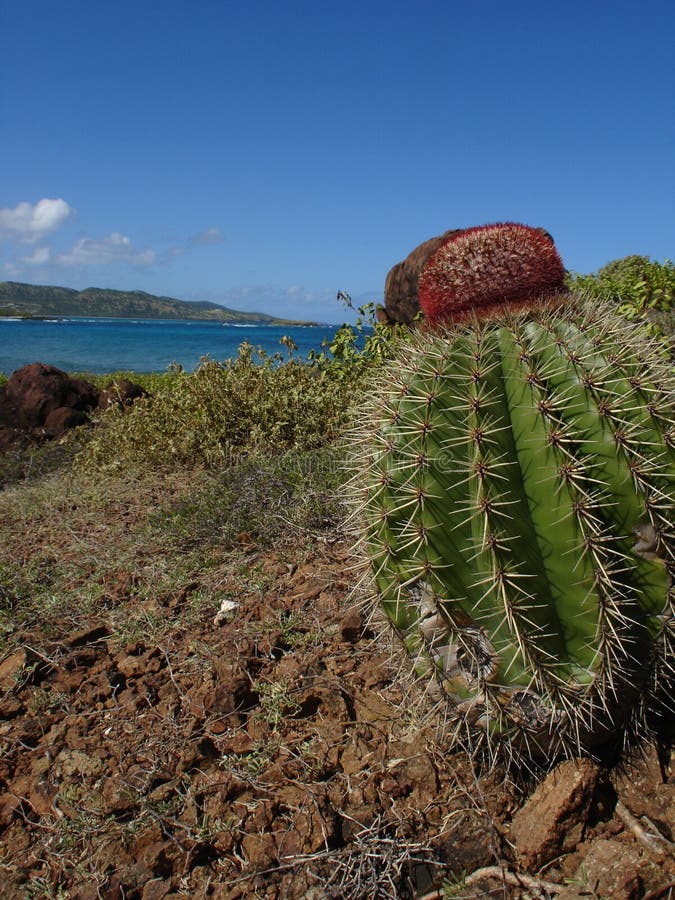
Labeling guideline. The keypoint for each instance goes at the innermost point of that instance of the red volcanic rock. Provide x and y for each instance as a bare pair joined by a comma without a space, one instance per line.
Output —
63,418
480,269
554,818
41,402
120,393
36,390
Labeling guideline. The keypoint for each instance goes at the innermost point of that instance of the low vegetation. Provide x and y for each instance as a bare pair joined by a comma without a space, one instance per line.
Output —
252,404
255,439
641,288
246,450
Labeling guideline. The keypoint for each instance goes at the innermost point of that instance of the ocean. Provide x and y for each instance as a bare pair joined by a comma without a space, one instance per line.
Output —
140,345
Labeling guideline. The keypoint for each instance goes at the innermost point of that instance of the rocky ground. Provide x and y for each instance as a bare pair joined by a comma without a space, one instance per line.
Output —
155,746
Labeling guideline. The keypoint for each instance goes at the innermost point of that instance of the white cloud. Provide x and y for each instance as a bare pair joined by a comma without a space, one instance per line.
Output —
29,223
115,248
293,301
204,238
38,257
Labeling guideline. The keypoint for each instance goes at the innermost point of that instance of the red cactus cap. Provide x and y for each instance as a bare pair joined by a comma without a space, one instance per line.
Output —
491,266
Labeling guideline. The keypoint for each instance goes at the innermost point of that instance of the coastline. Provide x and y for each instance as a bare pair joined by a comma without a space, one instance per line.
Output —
275,323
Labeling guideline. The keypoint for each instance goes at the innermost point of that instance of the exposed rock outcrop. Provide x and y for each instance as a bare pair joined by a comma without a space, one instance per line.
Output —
120,393
36,390
40,402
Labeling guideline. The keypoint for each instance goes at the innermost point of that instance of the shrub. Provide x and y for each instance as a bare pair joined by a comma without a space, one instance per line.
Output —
642,288
357,348
222,411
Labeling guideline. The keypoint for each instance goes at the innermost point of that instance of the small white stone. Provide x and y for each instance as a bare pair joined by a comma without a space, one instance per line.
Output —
226,612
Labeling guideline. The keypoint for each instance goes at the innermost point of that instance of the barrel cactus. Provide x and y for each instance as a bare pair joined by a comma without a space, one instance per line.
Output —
515,480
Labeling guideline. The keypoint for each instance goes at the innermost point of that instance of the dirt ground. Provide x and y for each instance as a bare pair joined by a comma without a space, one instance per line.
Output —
272,751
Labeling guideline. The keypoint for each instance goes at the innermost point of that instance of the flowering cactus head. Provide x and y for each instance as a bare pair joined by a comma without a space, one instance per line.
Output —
474,272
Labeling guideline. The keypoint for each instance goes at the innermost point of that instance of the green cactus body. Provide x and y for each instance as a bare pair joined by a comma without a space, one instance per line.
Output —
518,522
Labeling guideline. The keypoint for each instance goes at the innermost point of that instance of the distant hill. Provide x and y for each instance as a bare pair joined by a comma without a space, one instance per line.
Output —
17,299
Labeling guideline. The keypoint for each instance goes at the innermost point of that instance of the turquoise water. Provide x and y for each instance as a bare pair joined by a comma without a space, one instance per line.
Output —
139,345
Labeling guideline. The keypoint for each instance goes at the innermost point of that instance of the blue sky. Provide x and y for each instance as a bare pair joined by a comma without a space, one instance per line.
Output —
265,155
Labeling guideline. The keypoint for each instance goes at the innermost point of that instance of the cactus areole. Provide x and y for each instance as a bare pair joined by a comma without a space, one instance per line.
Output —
516,486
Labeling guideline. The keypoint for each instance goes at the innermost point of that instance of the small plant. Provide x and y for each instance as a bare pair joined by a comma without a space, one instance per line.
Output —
357,348
43,888
294,630
583,884
276,702
453,885
251,764
44,700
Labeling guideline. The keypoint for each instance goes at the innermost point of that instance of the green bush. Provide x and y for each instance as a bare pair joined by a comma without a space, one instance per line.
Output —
253,404
643,289
360,346
223,411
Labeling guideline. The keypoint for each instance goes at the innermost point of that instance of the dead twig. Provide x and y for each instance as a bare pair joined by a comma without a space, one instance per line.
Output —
171,676
652,840
661,892
540,889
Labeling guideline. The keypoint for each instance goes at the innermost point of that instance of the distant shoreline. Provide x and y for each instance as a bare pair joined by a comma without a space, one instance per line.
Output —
21,300
279,323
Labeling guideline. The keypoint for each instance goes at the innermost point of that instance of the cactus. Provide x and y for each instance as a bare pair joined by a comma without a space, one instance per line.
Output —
488,267
516,496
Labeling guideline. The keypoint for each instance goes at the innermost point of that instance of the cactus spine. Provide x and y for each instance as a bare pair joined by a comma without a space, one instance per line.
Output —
516,488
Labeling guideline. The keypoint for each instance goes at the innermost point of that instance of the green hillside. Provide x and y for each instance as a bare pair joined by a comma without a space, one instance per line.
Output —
17,299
